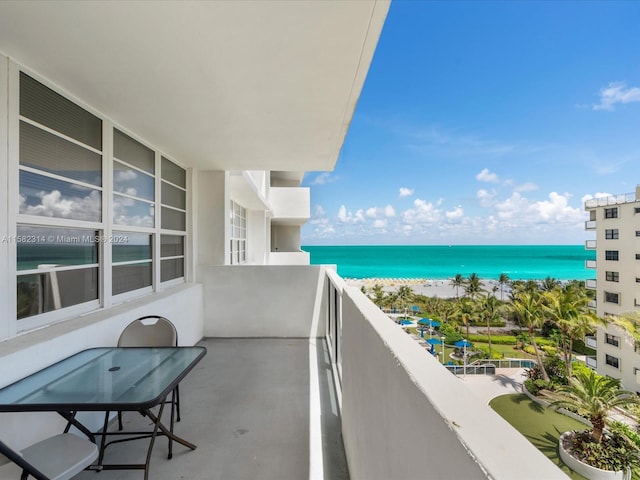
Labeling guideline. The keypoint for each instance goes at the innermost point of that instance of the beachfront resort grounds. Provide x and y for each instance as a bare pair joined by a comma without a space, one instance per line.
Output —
539,327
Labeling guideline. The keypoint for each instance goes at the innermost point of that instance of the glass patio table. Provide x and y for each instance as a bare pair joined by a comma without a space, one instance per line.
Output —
110,380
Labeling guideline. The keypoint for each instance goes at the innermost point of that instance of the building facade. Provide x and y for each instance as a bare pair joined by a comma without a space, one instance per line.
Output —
615,221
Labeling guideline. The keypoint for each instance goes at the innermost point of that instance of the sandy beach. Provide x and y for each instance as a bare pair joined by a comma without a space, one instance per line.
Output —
441,288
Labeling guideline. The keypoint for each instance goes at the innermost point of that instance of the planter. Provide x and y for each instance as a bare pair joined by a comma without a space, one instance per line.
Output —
588,471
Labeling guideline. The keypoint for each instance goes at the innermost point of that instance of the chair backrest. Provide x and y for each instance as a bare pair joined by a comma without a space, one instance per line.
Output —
149,331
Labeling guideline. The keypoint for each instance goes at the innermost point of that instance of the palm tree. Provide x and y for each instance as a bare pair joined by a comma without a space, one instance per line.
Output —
567,308
490,311
549,284
457,281
527,307
630,323
503,279
464,312
378,294
594,395
404,295
473,287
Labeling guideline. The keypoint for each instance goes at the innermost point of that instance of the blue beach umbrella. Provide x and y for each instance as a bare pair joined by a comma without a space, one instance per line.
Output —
428,321
464,343
405,322
434,341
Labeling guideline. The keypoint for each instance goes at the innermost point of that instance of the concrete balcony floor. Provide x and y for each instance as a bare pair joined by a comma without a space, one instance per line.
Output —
247,405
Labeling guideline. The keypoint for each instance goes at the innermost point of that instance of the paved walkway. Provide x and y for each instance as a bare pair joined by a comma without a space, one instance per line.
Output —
486,387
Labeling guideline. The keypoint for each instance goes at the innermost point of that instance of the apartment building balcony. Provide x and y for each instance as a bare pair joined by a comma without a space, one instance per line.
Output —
592,304
590,225
289,258
591,342
591,284
611,200
590,244
290,205
592,362
590,264
305,378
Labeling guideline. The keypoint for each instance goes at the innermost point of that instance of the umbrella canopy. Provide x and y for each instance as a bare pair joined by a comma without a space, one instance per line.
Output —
406,322
463,343
434,341
428,321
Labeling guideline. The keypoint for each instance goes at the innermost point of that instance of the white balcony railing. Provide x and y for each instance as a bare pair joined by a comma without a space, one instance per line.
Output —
592,362
591,342
591,283
590,264
612,200
593,304
590,244
590,225
291,205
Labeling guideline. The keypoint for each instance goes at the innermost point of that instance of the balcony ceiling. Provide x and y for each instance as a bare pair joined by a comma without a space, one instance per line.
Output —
215,85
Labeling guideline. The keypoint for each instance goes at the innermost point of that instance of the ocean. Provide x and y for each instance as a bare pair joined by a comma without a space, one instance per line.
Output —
563,262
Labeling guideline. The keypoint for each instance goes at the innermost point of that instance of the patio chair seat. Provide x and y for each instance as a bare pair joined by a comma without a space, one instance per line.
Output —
59,457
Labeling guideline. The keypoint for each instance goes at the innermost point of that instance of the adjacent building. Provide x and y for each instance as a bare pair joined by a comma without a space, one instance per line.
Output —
615,220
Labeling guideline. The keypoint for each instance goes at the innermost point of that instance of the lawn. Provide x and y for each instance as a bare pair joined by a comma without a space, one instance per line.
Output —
540,425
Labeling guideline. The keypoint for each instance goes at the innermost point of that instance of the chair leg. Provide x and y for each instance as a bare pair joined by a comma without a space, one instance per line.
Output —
120,421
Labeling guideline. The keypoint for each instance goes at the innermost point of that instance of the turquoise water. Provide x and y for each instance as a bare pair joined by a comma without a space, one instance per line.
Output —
563,262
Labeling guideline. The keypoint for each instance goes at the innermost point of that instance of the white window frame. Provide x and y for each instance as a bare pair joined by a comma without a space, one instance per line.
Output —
11,326
233,252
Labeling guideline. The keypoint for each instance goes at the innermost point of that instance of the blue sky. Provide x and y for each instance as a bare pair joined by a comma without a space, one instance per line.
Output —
486,123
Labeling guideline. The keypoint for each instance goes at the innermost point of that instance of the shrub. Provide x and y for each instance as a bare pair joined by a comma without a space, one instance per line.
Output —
530,385
549,350
613,453
530,350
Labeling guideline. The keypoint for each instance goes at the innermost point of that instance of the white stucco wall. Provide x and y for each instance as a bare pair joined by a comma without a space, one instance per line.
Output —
405,417
262,301
211,209
28,353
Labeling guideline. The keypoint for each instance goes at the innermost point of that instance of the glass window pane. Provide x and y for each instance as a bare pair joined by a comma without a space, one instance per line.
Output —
132,182
173,173
127,211
51,109
173,196
171,245
49,197
128,247
133,152
173,220
45,292
44,151
172,268
131,277
39,246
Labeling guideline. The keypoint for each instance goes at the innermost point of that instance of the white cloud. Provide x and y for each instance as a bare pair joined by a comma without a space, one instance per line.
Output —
345,216
526,187
389,211
424,212
486,198
455,214
486,176
371,212
519,211
319,211
614,93
406,192
125,175
380,223
53,204
323,179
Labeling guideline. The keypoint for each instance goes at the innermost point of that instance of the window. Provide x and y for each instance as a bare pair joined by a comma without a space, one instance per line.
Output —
611,212
637,209
612,340
174,219
637,233
637,256
238,247
60,178
66,250
612,361
611,255
612,276
610,297
611,234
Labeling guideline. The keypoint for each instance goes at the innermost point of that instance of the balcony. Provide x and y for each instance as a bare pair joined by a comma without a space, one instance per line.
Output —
592,304
591,284
307,379
590,264
612,200
591,342
590,225
592,362
289,258
590,244
290,205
